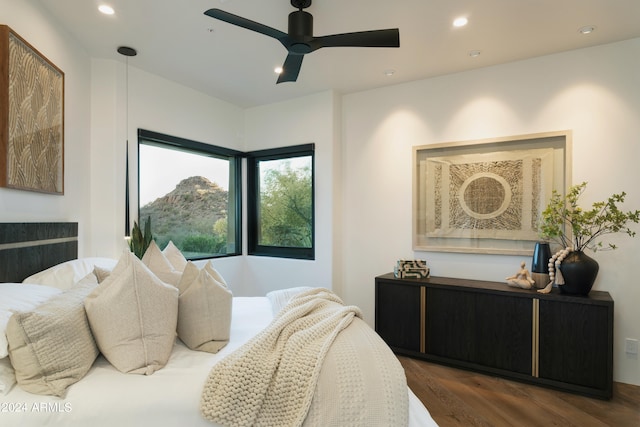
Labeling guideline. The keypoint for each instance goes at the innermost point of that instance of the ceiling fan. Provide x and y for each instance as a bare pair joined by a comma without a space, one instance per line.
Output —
299,39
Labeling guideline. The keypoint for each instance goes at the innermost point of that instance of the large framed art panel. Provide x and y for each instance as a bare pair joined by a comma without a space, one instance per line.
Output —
486,196
31,117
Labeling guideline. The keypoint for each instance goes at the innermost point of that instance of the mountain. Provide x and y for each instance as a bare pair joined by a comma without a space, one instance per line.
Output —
192,208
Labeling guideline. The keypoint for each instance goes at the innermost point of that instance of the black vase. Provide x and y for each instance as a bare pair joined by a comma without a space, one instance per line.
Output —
579,272
540,264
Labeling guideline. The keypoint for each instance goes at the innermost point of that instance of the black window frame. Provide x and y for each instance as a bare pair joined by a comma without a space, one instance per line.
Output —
253,189
235,159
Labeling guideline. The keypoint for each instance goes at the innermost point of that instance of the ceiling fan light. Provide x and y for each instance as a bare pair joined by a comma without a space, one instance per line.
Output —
278,70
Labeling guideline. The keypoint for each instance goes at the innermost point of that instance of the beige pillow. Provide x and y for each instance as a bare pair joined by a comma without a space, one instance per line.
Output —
191,271
175,257
101,273
189,275
160,265
51,346
204,314
214,273
133,316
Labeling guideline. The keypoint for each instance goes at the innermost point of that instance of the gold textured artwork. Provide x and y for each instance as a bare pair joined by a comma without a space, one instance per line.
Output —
31,118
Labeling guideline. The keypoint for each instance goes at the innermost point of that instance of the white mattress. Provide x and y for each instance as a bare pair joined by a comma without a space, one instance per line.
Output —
169,397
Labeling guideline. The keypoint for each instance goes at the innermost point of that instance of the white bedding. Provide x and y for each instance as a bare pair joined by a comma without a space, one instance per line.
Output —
169,397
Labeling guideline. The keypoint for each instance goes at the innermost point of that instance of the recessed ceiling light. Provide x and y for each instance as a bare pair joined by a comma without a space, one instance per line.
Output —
460,22
389,72
474,53
278,70
106,9
587,29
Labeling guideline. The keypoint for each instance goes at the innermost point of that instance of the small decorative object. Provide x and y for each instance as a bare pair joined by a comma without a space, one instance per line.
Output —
140,241
577,229
414,269
522,279
539,264
555,275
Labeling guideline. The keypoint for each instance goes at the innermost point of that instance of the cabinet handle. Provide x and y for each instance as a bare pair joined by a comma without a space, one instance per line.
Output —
423,319
535,337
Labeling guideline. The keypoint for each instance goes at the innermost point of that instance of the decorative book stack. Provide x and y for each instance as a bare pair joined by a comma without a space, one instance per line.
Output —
413,269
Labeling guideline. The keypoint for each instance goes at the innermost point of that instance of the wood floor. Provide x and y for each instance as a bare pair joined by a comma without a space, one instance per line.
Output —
457,397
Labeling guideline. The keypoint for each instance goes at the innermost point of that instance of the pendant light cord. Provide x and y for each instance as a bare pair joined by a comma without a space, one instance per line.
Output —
127,52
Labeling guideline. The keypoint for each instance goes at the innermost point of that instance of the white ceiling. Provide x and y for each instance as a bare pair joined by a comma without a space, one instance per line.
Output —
175,40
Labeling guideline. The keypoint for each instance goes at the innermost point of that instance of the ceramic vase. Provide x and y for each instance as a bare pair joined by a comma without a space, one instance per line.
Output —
540,264
579,272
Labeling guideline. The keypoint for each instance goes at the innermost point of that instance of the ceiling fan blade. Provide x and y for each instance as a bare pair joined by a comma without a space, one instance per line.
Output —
291,68
374,38
245,23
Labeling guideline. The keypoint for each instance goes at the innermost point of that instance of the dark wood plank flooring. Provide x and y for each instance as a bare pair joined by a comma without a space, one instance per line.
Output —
456,397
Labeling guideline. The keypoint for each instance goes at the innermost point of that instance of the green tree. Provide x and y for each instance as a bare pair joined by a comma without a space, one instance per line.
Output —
286,208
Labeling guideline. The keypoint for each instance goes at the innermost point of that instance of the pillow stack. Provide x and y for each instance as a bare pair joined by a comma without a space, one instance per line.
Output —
129,310
137,309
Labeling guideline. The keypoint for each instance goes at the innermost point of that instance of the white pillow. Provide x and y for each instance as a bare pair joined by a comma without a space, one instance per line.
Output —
19,297
281,297
160,265
175,257
7,376
64,276
133,317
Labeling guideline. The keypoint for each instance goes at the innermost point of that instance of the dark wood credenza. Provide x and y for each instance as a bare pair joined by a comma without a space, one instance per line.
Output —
553,340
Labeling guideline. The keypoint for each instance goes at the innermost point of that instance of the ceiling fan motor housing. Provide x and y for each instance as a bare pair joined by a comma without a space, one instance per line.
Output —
300,24
300,31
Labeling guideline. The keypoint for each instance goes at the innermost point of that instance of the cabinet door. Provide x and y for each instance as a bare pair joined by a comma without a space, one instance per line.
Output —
485,329
398,315
574,343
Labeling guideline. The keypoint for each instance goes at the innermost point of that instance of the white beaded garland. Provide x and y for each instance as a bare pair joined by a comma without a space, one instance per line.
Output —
554,264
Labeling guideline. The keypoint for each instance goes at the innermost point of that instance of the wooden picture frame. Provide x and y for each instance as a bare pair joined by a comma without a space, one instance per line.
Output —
31,117
486,196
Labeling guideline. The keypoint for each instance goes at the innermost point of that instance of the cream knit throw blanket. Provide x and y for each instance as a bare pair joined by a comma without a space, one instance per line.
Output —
270,381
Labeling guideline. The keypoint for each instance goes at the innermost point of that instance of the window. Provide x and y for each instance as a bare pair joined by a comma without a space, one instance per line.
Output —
191,192
280,187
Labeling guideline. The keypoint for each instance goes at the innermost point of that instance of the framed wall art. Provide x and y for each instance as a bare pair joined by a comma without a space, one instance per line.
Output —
31,117
486,196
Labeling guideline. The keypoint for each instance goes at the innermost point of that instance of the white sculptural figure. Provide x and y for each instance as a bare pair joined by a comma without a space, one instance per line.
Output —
522,279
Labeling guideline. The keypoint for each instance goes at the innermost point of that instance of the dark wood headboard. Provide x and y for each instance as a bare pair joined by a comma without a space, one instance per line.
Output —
29,247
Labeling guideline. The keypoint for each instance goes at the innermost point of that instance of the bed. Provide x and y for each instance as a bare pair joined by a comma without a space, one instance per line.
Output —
173,394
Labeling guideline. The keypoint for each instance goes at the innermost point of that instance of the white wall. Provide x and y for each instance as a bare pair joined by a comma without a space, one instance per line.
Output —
36,27
301,121
593,92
